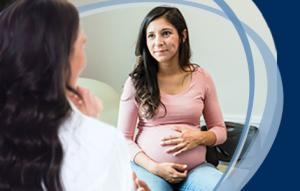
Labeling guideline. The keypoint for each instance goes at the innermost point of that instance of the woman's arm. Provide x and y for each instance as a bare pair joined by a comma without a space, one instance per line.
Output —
144,161
212,112
128,116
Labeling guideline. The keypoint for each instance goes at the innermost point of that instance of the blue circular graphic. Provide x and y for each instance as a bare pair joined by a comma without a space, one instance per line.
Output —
238,173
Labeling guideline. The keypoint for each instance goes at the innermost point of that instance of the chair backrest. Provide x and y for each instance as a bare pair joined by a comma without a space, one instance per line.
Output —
109,97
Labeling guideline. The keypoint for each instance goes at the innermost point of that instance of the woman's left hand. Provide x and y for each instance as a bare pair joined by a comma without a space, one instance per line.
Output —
187,139
139,185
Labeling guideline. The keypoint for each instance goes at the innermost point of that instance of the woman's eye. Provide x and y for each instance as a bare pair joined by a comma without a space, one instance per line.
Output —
150,36
166,33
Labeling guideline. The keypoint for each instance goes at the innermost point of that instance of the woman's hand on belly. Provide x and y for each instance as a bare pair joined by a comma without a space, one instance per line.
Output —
187,139
171,172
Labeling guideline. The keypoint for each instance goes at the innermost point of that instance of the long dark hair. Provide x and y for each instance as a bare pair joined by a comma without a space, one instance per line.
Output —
36,41
144,76
4,3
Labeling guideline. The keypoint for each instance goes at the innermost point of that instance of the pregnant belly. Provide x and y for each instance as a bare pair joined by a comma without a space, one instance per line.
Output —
149,141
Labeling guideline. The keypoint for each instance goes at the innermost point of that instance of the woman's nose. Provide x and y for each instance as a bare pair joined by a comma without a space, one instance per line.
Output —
158,41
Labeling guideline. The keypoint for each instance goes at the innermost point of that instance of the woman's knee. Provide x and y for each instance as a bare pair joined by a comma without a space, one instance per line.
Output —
202,178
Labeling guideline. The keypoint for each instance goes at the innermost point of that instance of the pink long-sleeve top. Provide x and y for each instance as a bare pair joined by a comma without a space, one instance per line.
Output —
184,109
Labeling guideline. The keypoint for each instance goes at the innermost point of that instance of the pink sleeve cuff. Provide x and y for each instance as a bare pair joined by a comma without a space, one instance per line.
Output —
221,134
134,149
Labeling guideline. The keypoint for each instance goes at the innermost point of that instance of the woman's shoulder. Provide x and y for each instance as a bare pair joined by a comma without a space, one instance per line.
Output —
104,138
87,131
201,72
91,150
129,82
96,131
128,90
93,137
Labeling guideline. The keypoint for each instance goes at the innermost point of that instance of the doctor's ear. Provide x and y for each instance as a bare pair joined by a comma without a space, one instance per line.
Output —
184,35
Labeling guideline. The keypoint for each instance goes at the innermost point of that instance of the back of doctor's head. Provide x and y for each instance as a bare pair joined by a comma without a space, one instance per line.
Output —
36,40
4,3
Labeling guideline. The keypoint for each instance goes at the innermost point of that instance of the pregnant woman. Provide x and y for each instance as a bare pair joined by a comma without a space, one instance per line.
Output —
164,98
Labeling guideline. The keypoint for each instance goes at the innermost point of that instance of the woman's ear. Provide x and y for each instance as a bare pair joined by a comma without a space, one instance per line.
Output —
184,35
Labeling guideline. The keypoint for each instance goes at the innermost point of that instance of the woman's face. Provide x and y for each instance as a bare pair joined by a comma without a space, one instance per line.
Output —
162,40
78,58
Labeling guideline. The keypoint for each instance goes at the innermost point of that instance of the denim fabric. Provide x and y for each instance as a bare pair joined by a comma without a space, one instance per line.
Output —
202,178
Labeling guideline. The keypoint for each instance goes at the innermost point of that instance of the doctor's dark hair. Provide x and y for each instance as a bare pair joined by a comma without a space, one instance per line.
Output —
36,41
4,3
144,76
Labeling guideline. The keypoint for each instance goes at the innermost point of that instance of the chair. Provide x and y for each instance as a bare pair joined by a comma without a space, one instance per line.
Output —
223,153
109,97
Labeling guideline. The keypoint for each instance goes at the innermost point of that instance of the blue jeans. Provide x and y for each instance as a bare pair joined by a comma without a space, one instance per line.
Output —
202,178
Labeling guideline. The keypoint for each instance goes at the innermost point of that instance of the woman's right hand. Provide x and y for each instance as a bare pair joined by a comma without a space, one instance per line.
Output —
171,172
88,104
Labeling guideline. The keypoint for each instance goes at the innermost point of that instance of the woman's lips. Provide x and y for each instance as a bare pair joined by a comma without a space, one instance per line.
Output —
160,51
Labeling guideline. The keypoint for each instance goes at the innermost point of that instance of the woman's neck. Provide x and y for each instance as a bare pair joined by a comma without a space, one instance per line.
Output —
170,67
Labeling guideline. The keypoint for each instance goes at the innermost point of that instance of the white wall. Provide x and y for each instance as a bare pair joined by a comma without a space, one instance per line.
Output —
215,44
